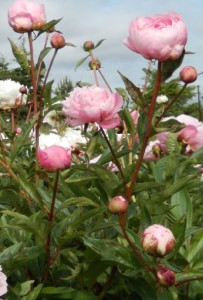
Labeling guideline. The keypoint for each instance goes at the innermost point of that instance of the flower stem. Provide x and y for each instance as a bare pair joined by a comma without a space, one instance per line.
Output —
100,72
114,156
32,66
147,133
51,259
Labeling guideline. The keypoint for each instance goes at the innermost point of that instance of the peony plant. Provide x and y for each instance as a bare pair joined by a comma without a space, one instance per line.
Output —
101,190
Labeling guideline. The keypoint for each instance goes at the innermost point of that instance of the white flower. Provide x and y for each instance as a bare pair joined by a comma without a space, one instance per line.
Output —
51,118
10,95
161,99
68,140
3,283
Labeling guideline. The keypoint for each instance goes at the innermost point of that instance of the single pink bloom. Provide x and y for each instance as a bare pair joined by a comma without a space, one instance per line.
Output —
93,104
3,283
54,158
160,37
25,16
135,116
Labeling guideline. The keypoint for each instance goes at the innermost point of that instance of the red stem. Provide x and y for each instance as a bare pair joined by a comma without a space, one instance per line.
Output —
147,132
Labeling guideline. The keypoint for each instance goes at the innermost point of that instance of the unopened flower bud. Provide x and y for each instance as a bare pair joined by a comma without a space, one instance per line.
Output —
95,64
188,74
57,41
88,45
157,240
165,277
118,205
18,131
23,90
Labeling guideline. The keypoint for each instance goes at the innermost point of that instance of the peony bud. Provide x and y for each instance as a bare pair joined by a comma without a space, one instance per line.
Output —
57,41
188,74
23,90
95,64
165,277
88,45
118,205
157,240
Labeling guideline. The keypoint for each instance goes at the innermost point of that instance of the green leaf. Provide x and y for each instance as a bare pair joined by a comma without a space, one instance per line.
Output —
48,92
21,57
169,66
141,126
26,287
81,61
134,92
191,274
113,252
99,43
145,219
44,53
48,26
35,293
79,201
10,252
30,189
182,206
67,293
126,117
23,138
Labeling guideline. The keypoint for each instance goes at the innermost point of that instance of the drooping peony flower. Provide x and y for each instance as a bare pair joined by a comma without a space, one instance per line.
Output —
159,37
10,95
25,16
157,240
54,158
93,104
3,283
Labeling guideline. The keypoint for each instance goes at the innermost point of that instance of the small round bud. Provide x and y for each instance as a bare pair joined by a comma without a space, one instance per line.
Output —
118,205
23,90
95,64
57,41
88,45
165,277
157,240
188,74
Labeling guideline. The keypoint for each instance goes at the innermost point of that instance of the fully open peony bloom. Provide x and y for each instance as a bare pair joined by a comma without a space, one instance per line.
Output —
3,283
92,104
160,37
24,16
10,95
54,158
157,240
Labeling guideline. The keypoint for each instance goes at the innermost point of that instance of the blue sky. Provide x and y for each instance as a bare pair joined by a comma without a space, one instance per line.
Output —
109,19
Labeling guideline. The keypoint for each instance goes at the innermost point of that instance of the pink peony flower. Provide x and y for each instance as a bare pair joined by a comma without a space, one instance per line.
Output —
93,104
3,283
24,16
160,37
54,158
192,134
157,240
